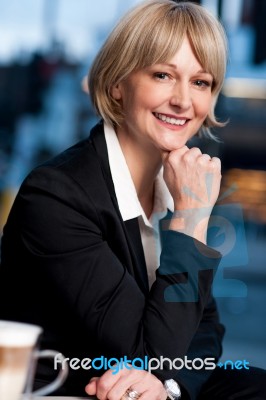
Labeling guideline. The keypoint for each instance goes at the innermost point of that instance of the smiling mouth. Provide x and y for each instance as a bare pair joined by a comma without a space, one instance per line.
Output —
170,120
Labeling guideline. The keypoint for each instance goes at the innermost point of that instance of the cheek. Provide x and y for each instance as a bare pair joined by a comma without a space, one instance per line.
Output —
204,106
128,105
149,96
139,105
133,97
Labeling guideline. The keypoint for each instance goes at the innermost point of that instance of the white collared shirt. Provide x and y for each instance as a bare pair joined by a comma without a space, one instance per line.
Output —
129,204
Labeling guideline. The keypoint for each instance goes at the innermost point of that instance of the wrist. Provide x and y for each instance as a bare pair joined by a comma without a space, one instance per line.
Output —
193,223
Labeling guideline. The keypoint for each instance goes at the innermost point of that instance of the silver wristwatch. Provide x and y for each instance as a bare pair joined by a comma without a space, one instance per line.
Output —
172,389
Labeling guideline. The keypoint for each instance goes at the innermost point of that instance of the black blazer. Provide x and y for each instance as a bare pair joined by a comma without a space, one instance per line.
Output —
70,264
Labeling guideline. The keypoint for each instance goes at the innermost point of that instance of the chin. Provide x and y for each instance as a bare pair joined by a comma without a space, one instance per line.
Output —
175,146
174,142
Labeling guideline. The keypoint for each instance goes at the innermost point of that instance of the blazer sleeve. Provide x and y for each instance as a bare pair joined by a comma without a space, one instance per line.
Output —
206,343
61,232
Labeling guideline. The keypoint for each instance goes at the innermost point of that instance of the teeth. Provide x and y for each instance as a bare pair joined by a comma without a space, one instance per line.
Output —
172,121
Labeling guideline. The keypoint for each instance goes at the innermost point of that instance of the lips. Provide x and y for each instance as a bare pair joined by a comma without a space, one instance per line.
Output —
170,120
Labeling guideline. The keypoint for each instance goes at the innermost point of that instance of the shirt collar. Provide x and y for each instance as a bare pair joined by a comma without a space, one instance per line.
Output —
126,194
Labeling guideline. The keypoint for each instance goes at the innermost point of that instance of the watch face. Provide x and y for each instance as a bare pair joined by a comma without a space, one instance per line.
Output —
172,388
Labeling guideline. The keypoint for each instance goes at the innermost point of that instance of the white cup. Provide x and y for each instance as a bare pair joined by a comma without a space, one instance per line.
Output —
18,357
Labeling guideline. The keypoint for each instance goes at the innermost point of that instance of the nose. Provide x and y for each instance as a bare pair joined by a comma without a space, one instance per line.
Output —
181,96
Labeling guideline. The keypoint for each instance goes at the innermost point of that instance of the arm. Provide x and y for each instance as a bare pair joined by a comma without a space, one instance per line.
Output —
207,342
194,179
63,238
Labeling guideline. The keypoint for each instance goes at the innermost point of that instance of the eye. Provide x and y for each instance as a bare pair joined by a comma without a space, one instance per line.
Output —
162,76
202,83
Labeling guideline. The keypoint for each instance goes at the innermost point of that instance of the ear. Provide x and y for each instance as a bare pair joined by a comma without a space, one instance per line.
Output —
116,92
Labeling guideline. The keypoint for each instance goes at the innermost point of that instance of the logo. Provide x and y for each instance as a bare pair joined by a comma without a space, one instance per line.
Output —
225,234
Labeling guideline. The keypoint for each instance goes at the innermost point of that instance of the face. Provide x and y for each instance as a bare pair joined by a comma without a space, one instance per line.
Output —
165,104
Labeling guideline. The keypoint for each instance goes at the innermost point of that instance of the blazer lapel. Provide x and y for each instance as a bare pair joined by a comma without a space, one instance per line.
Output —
130,227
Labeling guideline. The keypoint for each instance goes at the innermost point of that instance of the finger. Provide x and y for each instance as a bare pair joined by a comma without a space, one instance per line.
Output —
174,157
90,388
119,389
127,380
149,387
150,395
131,393
134,379
192,154
111,385
195,151
204,160
216,161
105,383
206,157
175,153
153,393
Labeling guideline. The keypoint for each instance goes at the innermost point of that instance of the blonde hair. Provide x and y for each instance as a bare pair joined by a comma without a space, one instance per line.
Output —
152,33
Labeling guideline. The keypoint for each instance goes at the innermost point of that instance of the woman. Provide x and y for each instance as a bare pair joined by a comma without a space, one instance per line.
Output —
82,223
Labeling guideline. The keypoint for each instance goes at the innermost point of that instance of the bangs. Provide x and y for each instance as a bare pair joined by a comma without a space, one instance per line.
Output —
158,37
161,43
210,53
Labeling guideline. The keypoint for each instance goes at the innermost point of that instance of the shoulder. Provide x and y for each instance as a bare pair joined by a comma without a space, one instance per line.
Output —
78,165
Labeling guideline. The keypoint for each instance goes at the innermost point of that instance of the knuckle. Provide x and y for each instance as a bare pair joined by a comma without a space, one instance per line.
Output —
138,373
157,383
212,167
215,164
187,157
195,150
172,157
102,385
203,161
216,161
113,394
192,153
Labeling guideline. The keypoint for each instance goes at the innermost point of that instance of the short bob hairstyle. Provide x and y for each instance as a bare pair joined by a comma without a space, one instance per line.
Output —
152,33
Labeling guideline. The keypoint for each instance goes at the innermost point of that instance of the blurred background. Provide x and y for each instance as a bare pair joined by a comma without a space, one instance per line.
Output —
46,48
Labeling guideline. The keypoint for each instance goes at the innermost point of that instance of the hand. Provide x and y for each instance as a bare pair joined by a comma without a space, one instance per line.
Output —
193,180
113,387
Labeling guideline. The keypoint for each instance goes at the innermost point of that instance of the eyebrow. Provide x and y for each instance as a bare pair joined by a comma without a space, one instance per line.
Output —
201,71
